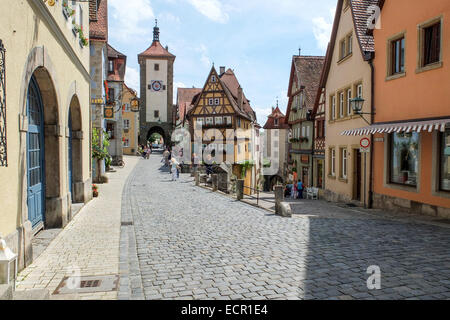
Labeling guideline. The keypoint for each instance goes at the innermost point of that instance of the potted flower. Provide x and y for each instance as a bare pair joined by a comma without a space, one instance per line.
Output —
95,191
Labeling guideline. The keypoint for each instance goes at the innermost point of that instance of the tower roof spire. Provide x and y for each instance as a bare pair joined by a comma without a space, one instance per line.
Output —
156,31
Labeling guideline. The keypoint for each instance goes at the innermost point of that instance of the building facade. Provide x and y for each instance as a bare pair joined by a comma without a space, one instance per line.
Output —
45,119
347,76
130,122
156,69
412,119
318,114
303,84
223,123
276,133
98,47
116,66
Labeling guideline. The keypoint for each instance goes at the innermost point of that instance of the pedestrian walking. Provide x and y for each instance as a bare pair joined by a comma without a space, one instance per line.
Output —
300,188
294,191
166,157
174,168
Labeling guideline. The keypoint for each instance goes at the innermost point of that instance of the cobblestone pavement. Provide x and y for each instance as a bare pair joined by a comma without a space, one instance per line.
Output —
191,243
89,242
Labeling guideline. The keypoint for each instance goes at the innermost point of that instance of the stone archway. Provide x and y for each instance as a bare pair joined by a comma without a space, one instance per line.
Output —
54,204
75,153
158,130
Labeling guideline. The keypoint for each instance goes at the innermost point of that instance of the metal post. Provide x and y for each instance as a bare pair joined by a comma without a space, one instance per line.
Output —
365,177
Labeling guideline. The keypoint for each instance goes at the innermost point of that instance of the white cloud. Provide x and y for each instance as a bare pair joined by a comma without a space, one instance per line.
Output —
129,16
322,28
132,78
212,9
204,57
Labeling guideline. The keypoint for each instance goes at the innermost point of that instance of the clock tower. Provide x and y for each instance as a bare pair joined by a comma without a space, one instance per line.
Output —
156,74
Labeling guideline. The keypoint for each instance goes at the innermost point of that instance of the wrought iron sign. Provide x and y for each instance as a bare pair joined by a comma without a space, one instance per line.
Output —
3,153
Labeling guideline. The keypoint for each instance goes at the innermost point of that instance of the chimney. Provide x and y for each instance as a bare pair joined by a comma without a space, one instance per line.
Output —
167,48
273,109
240,98
222,70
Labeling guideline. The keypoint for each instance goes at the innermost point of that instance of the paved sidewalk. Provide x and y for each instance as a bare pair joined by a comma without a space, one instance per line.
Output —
90,242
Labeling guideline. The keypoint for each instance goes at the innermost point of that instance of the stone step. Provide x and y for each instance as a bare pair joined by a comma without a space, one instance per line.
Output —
6,292
34,294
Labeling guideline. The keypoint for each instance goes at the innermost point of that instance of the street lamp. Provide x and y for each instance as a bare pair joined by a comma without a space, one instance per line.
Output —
357,104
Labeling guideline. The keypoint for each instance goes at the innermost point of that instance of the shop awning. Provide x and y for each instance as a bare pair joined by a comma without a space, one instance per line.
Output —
407,127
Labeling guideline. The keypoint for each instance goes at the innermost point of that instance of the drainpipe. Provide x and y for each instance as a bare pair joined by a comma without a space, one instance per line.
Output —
372,118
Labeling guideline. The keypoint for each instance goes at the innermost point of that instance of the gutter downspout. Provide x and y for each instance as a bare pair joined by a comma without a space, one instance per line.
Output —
372,111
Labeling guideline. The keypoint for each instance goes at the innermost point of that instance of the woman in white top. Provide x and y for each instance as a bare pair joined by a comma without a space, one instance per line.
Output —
174,165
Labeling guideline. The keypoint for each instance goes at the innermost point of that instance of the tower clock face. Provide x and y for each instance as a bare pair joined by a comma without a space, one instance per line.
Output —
156,86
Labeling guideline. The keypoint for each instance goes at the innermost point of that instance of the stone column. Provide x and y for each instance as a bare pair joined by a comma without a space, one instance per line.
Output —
197,178
279,197
215,182
240,189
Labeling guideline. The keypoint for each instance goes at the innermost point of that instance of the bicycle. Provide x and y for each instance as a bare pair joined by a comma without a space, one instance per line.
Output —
117,162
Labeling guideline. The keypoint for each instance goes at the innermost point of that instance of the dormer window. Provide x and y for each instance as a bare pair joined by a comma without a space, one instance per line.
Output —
110,66
276,122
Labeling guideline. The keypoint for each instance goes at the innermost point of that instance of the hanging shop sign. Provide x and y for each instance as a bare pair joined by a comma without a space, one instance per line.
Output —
109,112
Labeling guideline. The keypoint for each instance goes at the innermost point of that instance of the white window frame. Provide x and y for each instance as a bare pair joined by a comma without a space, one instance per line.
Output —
200,121
349,105
126,123
333,108
333,162
276,122
344,164
126,143
341,104
228,120
359,90
213,79
216,101
210,101
209,121
218,121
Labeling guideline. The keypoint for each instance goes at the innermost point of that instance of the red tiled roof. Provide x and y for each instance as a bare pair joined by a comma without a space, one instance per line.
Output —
156,50
120,64
98,27
231,82
309,69
282,120
361,15
185,100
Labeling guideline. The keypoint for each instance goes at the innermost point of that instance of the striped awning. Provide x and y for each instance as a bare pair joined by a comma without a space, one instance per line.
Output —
407,127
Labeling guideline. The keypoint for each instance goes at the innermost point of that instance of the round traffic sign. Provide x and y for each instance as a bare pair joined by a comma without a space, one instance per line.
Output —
365,143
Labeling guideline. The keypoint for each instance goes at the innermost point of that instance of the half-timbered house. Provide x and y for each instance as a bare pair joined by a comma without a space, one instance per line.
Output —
223,123
303,84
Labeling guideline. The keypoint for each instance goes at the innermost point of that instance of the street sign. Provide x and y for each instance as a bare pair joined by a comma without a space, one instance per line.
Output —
365,143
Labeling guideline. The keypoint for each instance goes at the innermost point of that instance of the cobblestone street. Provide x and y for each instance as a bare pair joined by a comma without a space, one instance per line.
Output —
184,242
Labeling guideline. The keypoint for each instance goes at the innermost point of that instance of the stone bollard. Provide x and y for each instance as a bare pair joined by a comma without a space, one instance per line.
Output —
215,182
197,178
279,197
240,189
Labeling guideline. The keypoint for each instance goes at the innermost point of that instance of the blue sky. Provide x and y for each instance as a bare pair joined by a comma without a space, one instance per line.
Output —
255,38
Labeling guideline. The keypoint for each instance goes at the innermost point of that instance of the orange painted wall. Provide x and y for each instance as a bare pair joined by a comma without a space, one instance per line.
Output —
422,95
415,96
